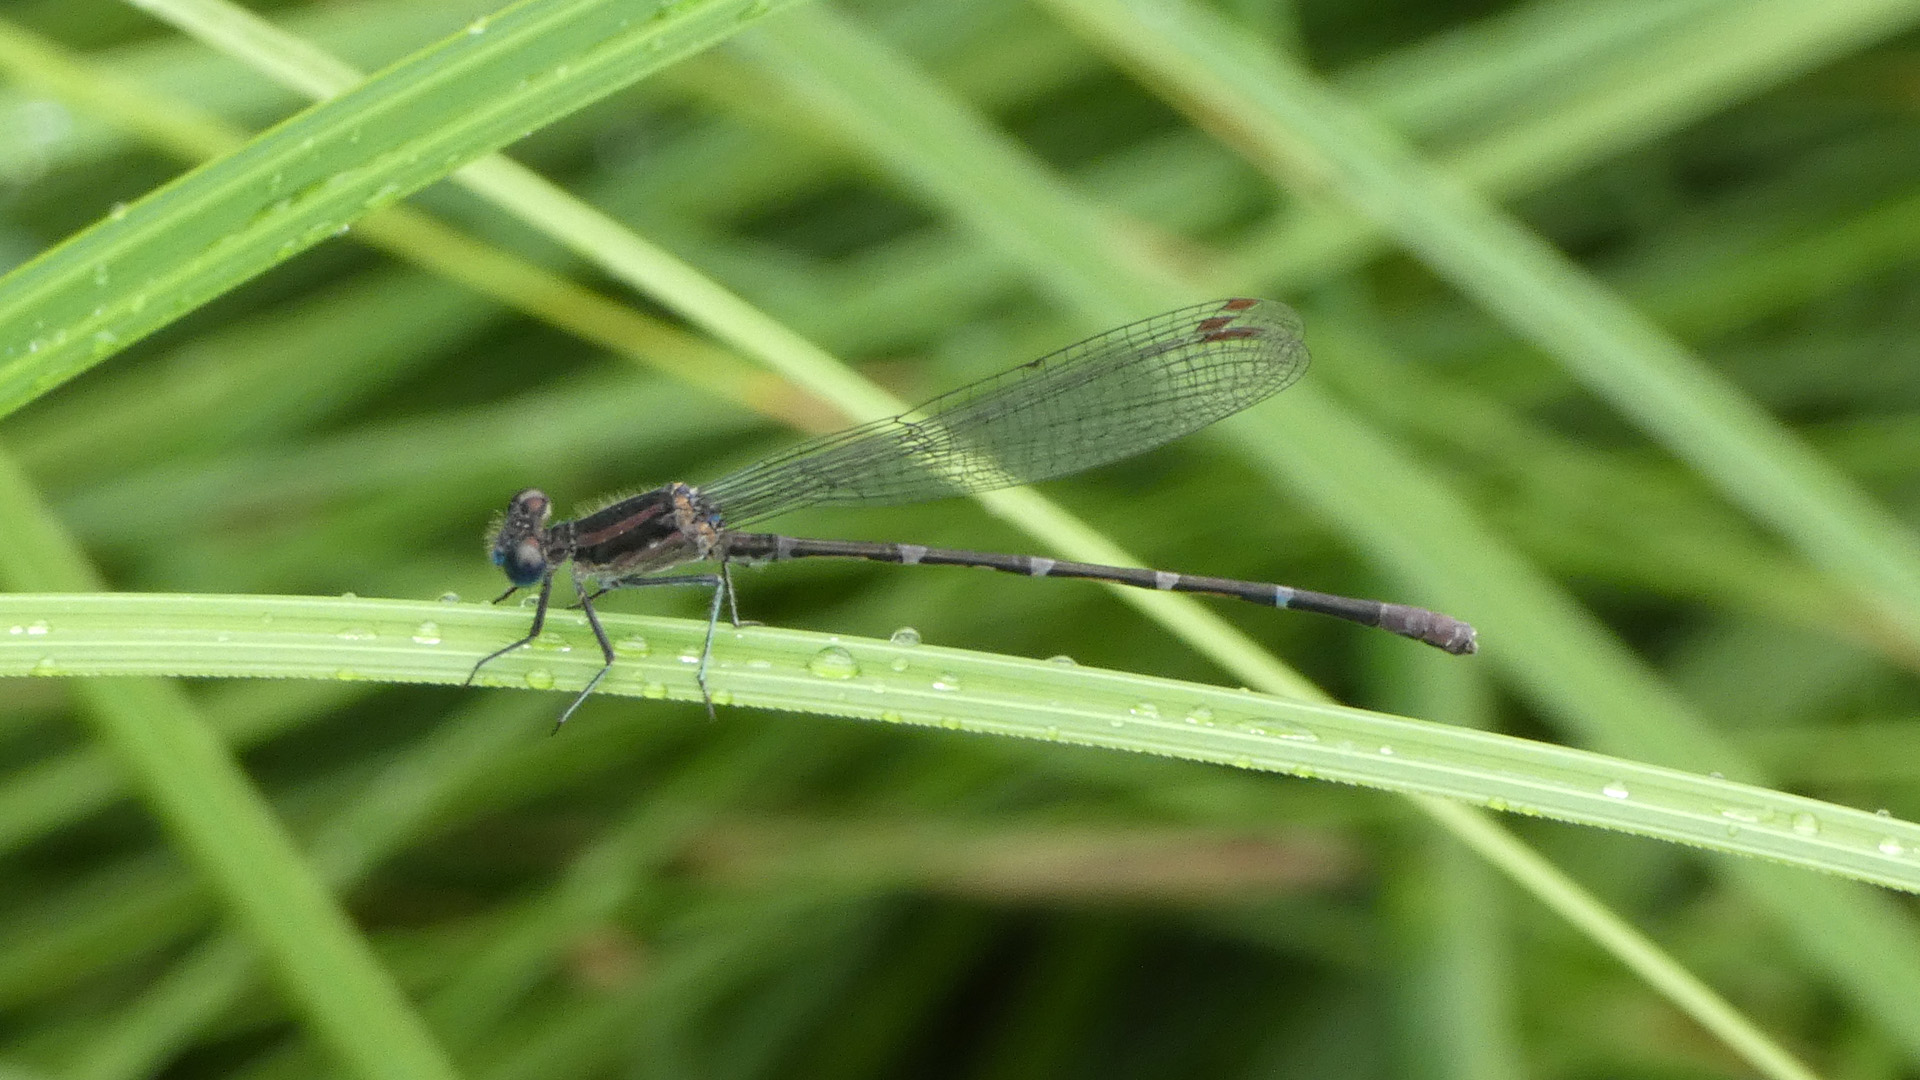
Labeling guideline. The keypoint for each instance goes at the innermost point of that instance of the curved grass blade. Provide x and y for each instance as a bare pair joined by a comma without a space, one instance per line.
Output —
222,822
1402,514
314,175
411,641
1293,127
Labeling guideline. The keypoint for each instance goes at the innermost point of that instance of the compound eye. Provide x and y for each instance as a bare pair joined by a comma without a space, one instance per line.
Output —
524,562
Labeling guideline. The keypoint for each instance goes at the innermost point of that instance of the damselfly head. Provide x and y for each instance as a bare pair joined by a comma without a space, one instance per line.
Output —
519,546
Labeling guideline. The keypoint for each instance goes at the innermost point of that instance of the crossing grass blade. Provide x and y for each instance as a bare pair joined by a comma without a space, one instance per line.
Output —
603,902
1284,119
312,176
1411,521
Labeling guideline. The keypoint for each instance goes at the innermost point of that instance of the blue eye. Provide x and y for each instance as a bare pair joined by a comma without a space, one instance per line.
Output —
524,563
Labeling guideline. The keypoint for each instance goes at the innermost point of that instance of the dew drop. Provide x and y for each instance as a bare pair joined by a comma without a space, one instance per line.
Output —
833,662
1201,715
449,597
1883,812
540,679
349,595
906,637
1615,790
37,628
1806,824
947,681
891,717
653,690
1745,815
16,628
1063,660
1893,847
951,723
1385,751
1052,734
632,645
477,26
357,633
119,211
46,666
1279,729
548,641
721,697
427,633
689,656
346,674
899,663
1146,709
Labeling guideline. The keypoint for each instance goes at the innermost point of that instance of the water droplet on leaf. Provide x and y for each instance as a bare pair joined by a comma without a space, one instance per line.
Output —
833,662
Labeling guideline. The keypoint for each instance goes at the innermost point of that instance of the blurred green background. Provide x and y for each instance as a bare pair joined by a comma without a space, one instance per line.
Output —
651,894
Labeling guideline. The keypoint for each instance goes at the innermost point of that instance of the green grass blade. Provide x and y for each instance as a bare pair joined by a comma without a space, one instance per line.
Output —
182,131
316,174
1586,112
1402,515
1300,131
346,638
378,821
1647,959
206,800
374,32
